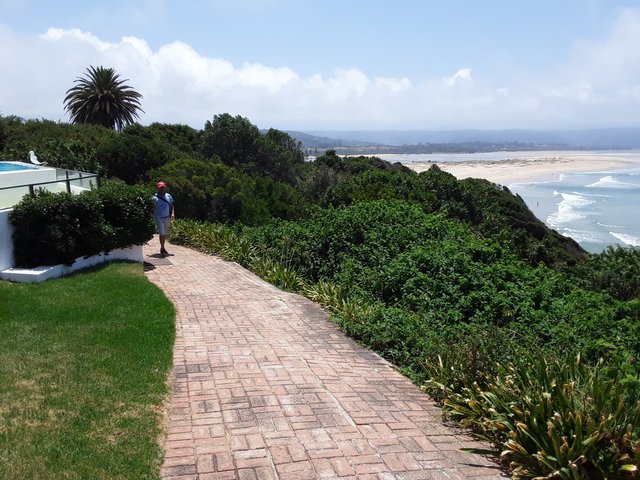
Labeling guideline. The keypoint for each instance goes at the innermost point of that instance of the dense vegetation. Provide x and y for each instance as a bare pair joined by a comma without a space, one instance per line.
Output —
514,328
53,228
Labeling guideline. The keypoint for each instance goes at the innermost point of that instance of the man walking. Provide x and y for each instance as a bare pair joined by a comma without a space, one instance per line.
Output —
164,213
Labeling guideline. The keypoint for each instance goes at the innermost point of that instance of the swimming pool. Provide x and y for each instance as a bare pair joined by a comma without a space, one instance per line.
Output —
14,166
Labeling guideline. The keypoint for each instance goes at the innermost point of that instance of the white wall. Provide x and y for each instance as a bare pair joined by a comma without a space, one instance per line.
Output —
6,242
40,274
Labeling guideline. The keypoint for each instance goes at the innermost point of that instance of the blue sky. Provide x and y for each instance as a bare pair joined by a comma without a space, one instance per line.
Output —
335,64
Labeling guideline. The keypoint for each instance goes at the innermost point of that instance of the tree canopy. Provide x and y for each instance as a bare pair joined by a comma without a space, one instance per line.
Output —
102,98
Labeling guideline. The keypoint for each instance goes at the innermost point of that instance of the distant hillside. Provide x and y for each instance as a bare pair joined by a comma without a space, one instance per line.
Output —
316,141
608,138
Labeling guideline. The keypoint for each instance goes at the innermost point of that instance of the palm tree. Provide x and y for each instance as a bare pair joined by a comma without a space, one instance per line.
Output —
101,98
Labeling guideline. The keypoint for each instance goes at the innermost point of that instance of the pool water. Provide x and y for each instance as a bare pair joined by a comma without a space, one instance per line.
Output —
12,167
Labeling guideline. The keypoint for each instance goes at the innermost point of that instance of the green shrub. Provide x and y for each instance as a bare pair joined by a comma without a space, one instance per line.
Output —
494,210
239,144
316,180
71,154
277,274
615,271
398,335
214,238
279,156
206,237
183,139
232,139
368,232
3,132
207,190
564,419
62,145
128,212
54,228
129,157
379,185
358,165
326,294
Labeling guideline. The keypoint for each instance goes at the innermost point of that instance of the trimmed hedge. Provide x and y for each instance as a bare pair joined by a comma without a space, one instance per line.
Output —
54,228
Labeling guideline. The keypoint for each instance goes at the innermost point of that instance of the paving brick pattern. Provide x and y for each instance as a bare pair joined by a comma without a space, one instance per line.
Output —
265,387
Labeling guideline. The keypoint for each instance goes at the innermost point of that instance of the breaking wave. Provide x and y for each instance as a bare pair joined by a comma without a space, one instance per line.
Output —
610,182
627,239
568,209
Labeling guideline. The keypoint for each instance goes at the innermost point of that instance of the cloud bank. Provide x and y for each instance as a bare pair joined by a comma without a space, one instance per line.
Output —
598,86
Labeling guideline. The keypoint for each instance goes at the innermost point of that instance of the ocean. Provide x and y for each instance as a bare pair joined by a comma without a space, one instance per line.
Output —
597,209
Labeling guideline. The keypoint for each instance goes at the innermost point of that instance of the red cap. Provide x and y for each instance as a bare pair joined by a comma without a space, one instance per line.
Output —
160,184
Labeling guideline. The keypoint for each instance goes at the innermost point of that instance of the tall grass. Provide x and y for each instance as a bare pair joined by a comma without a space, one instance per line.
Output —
557,418
84,363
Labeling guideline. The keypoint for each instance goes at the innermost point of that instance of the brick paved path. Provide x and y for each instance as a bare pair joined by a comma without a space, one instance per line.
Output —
266,387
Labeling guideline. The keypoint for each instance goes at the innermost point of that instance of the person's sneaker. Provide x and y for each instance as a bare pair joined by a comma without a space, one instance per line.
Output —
163,252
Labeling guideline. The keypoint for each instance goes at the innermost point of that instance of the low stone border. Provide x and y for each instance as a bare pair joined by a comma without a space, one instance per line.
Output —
40,274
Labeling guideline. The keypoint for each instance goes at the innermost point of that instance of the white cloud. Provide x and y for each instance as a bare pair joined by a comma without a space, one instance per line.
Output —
582,91
598,85
614,59
395,85
272,79
462,75
343,85
76,35
598,82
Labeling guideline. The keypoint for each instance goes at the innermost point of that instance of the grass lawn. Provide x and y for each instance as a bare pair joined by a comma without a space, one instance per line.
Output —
84,363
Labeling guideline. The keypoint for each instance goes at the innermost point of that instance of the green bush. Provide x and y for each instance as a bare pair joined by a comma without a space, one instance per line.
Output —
62,145
183,139
395,253
239,144
316,180
207,190
279,156
3,132
615,271
70,154
127,211
379,185
496,210
358,165
54,228
366,232
565,419
232,139
220,239
130,156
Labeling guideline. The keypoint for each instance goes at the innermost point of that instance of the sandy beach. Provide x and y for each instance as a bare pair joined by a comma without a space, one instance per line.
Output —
534,169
